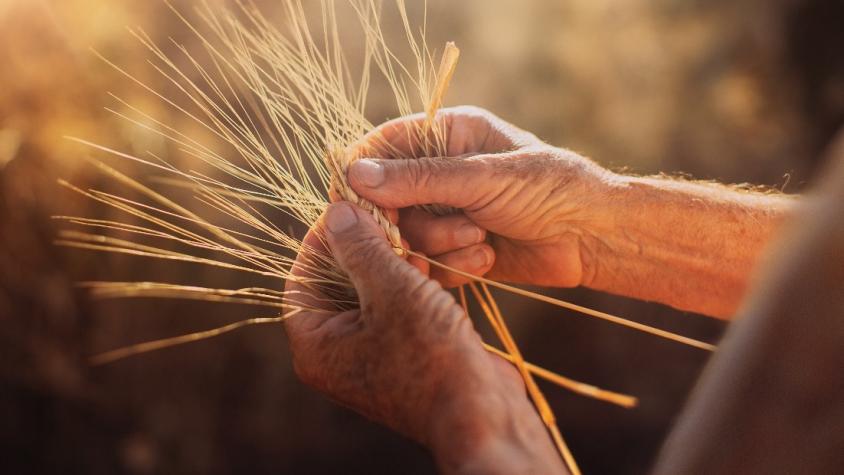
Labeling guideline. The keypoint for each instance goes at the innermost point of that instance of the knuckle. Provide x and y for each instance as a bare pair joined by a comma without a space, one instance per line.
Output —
426,309
425,291
443,315
445,310
398,293
405,284
362,250
523,164
440,167
438,305
418,172
471,111
489,160
365,248
488,165
408,281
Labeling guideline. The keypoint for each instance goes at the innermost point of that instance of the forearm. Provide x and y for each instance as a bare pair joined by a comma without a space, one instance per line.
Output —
688,245
772,400
492,433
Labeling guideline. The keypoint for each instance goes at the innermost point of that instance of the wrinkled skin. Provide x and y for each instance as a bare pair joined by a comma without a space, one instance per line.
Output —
554,218
408,357
538,202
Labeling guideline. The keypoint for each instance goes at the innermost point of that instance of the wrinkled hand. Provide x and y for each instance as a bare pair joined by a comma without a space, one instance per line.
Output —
540,203
406,351
409,357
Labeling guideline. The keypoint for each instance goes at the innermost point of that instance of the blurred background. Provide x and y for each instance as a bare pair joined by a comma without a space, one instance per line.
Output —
735,91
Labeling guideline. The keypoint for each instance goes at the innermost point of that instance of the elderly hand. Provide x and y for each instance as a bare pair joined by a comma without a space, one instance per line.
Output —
410,358
540,202
557,219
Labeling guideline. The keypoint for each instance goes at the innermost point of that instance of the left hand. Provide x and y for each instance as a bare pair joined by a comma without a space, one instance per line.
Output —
409,357
408,349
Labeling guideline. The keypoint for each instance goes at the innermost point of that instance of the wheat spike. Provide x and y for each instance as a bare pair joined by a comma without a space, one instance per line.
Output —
282,115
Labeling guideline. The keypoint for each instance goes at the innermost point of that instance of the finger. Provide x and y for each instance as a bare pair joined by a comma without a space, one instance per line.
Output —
399,138
417,262
467,129
301,292
392,215
435,235
361,249
334,197
455,182
421,264
475,260
333,194
386,284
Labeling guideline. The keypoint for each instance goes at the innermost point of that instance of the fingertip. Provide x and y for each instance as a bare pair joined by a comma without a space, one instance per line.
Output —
475,260
340,217
366,173
484,258
437,235
344,221
468,234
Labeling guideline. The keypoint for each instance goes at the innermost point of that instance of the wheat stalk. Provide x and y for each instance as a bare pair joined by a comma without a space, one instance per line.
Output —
286,115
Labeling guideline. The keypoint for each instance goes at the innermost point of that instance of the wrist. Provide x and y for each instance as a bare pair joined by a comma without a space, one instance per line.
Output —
592,209
628,222
490,429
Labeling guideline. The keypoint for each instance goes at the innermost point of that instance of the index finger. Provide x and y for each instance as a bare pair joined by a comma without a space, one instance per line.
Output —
399,138
309,286
462,130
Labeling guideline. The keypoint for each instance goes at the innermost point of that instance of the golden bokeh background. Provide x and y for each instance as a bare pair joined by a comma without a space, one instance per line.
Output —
746,91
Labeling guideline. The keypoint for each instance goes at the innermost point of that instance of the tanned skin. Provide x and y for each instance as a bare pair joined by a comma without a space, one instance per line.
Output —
772,399
410,358
557,219
535,214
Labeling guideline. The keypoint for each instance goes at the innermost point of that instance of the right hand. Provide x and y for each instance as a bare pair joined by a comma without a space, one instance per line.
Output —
539,203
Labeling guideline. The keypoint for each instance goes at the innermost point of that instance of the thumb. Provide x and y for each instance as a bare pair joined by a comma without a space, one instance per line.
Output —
399,183
361,249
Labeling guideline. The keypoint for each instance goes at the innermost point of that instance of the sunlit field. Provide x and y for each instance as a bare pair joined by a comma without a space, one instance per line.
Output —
738,92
